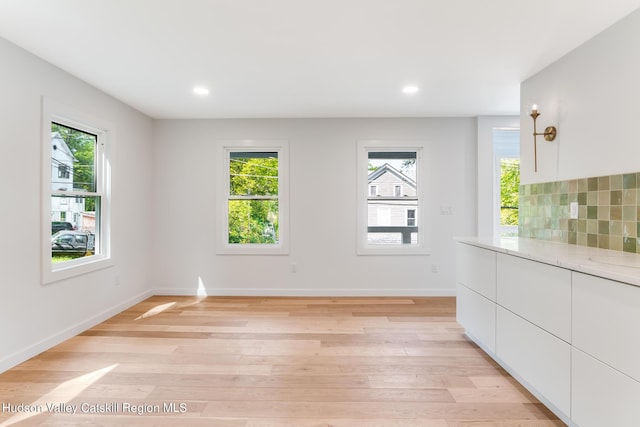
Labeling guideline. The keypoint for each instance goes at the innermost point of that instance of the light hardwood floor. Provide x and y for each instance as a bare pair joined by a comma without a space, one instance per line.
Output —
249,362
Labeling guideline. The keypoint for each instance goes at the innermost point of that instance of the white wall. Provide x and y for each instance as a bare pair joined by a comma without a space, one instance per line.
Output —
323,208
33,316
592,95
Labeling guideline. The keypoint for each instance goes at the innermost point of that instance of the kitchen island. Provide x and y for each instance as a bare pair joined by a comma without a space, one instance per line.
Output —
564,320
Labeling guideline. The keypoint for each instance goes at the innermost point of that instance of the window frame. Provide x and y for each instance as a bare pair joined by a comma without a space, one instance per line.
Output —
53,111
503,150
223,247
362,185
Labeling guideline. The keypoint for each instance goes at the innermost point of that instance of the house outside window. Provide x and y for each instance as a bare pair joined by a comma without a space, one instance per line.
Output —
254,184
75,202
390,222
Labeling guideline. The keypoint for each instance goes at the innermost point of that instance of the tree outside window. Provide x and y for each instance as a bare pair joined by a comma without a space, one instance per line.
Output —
253,198
509,189
506,180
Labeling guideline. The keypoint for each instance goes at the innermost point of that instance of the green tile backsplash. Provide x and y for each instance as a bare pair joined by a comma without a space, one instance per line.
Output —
608,212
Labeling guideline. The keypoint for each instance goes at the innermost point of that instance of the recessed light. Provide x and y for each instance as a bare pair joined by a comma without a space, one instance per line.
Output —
410,90
200,90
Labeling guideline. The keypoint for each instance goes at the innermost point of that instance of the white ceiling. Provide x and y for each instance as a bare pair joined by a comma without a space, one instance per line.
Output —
307,58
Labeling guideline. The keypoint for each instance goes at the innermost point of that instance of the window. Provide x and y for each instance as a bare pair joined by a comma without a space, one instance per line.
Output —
63,171
75,227
509,189
506,143
389,221
411,217
254,218
373,190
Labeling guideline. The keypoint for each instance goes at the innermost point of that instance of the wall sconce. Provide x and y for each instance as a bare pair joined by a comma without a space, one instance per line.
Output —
549,134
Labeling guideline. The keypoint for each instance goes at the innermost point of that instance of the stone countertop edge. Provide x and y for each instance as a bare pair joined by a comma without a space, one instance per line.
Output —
608,264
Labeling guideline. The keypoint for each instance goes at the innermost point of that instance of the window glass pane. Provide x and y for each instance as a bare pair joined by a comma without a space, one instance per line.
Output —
509,186
74,218
506,146
73,154
253,174
253,216
73,227
253,221
391,210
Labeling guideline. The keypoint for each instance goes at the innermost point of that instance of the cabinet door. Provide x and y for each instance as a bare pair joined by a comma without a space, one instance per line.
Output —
540,359
602,396
606,322
478,316
476,269
538,292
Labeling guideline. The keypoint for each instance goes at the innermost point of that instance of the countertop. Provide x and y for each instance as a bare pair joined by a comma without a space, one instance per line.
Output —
608,264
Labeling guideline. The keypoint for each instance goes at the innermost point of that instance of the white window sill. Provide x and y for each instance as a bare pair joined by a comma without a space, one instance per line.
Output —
77,267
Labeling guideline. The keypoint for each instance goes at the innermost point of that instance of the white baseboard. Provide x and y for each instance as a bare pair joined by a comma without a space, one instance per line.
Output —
45,344
247,292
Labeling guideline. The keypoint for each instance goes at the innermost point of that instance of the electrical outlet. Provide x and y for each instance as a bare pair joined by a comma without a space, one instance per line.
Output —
446,210
573,210
293,267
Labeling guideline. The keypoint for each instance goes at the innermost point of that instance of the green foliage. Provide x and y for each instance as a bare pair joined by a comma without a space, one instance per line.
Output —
509,188
254,176
253,220
407,163
83,147
63,258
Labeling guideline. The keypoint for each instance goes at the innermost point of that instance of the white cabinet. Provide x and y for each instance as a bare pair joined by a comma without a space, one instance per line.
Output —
606,322
572,339
476,293
476,269
606,354
537,357
602,396
538,292
478,316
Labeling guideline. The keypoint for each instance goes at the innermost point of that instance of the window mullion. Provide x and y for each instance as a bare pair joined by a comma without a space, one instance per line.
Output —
236,197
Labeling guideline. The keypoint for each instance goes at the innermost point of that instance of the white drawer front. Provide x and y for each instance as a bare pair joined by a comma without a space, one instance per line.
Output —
478,316
602,396
538,292
539,358
606,322
476,269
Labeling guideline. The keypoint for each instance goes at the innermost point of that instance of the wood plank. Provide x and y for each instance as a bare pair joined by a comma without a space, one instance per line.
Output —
285,361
